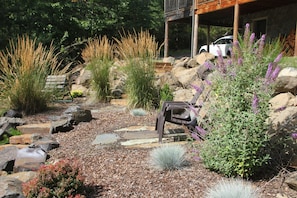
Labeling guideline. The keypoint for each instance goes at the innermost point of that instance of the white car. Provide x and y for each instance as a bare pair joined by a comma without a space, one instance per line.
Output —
224,44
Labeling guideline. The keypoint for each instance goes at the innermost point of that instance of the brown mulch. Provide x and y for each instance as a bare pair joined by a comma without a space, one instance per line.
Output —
117,171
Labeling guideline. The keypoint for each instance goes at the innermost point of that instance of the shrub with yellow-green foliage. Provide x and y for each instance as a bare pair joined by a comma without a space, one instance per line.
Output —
24,67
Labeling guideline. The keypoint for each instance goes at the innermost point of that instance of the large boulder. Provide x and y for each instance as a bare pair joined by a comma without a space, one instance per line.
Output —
184,76
29,159
292,180
7,158
10,187
287,80
203,57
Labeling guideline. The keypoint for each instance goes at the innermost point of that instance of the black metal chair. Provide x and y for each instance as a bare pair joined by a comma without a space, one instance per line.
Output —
178,112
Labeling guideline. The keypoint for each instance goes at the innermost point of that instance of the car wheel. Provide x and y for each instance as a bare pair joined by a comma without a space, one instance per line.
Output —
202,51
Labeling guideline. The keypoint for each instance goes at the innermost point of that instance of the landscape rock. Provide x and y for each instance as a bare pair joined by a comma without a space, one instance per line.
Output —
84,78
29,159
184,76
11,113
7,158
287,80
82,116
281,100
10,188
203,57
169,59
24,176
292,180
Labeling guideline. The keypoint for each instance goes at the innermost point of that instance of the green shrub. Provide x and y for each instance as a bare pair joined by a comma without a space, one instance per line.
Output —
168,157
165,94
139,51
62,179
99,56
237,143
232,189
24,67
100,78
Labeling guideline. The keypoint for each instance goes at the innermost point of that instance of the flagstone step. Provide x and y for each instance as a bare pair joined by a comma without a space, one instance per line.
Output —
23,139
42,128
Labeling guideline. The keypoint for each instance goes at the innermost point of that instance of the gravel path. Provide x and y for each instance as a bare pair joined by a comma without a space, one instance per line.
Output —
117,171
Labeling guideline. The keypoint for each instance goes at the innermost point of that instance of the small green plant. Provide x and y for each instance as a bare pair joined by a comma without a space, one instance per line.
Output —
76,93
237,143
62,179
5,137
168,157
234,188
165,94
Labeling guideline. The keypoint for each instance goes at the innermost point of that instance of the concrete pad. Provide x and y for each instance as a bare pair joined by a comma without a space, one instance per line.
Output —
154,144
131,135
106,138
139,141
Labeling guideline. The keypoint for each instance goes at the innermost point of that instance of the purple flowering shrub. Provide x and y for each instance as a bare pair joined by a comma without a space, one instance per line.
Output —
237,140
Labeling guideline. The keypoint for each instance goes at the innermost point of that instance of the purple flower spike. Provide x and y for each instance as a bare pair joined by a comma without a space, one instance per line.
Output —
208,82
201,131
196,158
252,39
197,88
294,136
208,65
255,104
240,61
268,72
261,46
195,136
278,58
275,73
246,33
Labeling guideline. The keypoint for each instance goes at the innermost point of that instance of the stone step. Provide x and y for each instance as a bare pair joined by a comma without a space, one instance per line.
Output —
23,139
42,128
19,146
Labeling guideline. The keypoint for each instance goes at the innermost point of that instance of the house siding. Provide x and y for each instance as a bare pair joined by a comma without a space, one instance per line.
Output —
279,21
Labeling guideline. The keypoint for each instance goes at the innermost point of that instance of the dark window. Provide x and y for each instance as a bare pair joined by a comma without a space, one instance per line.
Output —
260,27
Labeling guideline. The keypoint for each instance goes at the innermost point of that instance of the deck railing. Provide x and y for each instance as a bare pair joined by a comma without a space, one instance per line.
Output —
175,5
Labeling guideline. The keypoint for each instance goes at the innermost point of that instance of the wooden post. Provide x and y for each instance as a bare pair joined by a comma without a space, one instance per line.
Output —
295,51
208,36
235,22
166,39
195,40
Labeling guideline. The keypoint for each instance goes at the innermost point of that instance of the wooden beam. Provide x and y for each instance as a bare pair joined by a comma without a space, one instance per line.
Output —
211,6
166,45
295,51
235,22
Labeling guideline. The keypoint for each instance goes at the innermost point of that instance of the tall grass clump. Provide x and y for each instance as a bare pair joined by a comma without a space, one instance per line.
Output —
24,67
237,143
139,50
234,188
168,157
99,56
